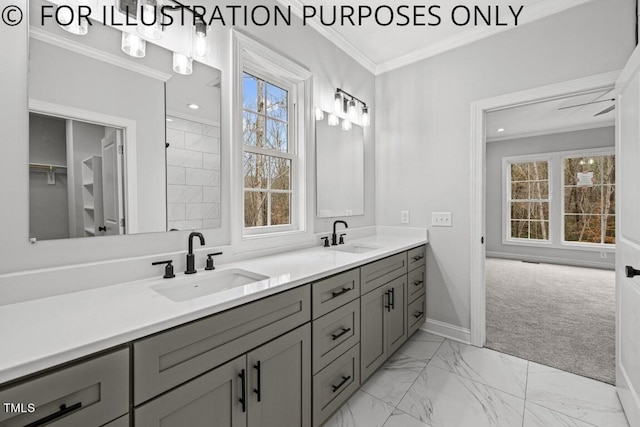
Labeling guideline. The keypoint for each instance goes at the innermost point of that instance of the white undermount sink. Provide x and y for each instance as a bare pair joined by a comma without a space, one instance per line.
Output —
188,287
354,248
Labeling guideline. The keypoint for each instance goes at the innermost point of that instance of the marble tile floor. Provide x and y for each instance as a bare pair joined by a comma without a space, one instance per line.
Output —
437,382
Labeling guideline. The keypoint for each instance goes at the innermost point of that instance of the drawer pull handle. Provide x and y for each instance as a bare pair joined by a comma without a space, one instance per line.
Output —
417,257
343,382
257,390
418,283
243,399
343,291
341,333
64,410
418,314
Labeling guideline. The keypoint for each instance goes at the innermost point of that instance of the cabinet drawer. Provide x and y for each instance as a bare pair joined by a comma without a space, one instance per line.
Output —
123,421
380,272
90,393
335,384
416,313
331,293
334,333
171,358
416,257
416,281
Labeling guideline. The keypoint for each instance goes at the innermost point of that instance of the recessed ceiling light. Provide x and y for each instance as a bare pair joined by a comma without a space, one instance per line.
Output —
193,106
500,130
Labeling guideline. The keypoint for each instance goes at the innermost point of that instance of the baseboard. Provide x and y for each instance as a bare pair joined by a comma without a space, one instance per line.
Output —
546,260
447,330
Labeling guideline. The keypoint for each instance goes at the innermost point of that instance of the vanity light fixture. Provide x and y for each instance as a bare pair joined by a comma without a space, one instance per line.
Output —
338,106
149,20
333,119
366,118
200,47
182,64
341,97
70,22
319,113
346,124
133,45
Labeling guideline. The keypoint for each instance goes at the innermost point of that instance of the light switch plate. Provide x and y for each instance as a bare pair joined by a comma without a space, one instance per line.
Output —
441,219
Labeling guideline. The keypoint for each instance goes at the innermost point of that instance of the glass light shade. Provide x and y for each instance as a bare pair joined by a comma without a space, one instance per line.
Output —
366,118
70,22
319,114
182,64
333,120
133,45
353,111
149,23
346,124
200,43
337,101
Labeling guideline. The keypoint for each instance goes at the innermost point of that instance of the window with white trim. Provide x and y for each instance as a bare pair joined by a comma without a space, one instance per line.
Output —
528,200
589,199
268,146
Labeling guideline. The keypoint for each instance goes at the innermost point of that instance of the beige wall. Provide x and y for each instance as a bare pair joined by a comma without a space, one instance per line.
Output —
423,126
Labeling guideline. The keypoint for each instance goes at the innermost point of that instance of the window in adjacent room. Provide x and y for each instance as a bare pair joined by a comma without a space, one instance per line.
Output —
528,200
589,199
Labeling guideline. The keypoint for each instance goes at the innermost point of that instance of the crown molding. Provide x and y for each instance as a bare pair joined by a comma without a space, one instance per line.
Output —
83,49
533,13
332,35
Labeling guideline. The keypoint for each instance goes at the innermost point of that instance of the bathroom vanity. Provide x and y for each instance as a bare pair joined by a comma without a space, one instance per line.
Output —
283,351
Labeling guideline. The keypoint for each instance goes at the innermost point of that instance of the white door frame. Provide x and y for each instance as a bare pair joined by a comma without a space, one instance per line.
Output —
478,164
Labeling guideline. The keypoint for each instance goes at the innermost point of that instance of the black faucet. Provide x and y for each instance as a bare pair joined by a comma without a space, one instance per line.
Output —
190,257
334,236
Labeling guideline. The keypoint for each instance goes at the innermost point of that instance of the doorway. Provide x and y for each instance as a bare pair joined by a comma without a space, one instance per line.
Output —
480,111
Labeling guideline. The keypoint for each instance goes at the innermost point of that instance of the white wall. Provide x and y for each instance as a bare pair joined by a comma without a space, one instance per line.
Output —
330,66
566,141
423,126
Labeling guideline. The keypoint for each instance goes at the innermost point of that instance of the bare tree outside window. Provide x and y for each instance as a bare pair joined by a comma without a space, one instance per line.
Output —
529,200
268,157
589,199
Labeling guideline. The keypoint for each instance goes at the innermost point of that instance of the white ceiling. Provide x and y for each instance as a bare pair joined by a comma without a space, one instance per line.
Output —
380,48
551,116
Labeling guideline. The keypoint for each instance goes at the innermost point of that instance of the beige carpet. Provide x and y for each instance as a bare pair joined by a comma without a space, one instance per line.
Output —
555,315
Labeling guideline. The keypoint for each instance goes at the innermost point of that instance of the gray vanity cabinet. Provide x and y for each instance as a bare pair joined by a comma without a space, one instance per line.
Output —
88,393
279,381
417,286
213,399
268,387
383,327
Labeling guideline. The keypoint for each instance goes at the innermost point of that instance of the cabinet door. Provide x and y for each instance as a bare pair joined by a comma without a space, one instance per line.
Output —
279,381
212,400
396,319
373,343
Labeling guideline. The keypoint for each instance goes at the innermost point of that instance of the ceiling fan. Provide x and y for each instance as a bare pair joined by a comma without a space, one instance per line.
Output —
605,111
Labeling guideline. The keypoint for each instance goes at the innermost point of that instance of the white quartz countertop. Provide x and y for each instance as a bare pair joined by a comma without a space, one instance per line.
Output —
45,332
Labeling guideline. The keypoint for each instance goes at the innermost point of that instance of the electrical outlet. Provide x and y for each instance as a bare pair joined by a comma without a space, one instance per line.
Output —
441,219
349,212
404,217
325,213
603,254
